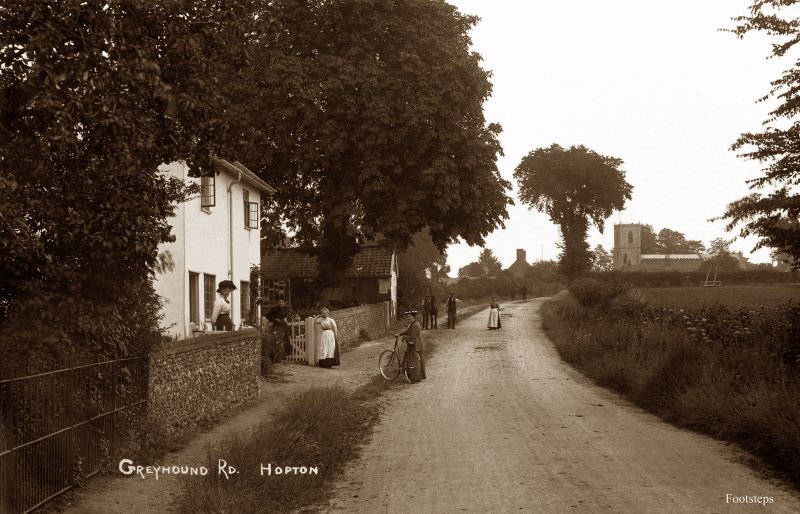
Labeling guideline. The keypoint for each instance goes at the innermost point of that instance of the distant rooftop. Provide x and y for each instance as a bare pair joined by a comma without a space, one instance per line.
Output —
370,261
671,256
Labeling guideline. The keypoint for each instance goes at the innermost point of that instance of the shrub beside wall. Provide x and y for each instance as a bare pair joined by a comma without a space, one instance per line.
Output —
195,380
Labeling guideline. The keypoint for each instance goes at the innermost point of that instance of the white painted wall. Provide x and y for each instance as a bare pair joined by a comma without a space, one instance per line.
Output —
204,248
172,286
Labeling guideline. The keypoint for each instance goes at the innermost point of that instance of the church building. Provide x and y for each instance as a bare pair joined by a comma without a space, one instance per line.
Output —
628,254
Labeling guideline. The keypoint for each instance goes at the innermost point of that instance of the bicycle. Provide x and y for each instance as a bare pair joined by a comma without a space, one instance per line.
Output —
392,362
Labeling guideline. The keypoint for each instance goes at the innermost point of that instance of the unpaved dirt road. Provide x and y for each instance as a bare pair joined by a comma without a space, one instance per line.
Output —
502,425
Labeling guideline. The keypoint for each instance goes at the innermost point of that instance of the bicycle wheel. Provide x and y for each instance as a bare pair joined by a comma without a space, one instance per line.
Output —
412,367
389,364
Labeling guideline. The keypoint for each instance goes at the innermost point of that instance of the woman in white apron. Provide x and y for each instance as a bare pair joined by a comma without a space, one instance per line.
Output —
494,315
329,350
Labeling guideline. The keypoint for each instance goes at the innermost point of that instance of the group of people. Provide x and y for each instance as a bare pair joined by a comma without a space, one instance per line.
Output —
329,345
413,333
430,312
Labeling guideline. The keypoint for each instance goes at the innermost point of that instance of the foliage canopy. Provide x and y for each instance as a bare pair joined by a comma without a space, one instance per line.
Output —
369,118
772,210
574,187
93,98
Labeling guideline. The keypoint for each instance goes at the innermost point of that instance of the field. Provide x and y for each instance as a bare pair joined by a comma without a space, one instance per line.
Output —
733,296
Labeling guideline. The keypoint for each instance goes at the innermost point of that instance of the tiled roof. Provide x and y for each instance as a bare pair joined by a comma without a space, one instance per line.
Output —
371,261
674,256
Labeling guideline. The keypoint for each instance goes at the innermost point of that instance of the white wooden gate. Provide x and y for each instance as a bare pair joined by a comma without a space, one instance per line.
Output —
302,337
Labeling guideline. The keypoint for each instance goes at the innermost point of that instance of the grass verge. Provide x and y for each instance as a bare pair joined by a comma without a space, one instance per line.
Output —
321,427
736,389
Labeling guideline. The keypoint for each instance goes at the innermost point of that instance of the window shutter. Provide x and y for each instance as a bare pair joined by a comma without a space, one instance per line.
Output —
245,210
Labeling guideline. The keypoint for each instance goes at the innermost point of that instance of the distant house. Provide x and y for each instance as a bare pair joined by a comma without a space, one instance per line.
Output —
519,268
288,273
217,237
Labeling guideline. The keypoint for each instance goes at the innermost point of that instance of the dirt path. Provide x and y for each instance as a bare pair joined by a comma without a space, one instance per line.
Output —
119,494
502,425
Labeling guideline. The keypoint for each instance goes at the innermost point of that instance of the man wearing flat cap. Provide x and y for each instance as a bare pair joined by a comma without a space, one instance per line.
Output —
414,334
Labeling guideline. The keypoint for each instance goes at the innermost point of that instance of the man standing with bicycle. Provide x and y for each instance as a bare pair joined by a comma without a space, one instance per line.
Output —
413,334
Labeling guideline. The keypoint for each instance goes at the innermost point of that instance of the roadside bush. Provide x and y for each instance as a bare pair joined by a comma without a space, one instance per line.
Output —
730,373
590,292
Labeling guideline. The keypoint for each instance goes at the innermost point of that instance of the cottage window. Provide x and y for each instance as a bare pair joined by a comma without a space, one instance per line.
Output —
625,259
208,197
276,289
630,237
252,212
244,300
209,290
194,298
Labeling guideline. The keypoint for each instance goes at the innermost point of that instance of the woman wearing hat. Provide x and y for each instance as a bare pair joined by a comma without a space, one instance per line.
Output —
221,316
413,334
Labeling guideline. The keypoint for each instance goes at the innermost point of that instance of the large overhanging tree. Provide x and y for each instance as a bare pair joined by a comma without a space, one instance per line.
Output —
771,211
575,187
368,119
94,96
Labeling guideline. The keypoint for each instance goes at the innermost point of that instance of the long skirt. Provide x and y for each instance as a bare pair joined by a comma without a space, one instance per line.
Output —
224,322
494,318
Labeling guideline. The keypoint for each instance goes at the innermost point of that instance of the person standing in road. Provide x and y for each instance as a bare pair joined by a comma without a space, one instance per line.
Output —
451,311
524,292
494,315
413,334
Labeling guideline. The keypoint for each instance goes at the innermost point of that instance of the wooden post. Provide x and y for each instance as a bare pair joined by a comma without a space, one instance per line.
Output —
387,314
311,346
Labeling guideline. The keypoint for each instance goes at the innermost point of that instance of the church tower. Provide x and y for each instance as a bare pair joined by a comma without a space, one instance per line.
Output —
627,245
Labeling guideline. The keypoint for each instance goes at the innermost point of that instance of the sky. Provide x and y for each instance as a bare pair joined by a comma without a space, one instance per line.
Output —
656,84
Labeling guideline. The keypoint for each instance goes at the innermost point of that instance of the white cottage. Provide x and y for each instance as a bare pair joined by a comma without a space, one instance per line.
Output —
217,237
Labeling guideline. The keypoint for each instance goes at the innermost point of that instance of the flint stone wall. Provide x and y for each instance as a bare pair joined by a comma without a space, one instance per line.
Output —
371,318
196,380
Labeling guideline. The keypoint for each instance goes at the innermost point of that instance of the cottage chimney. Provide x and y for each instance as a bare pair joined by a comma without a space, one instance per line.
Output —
521,255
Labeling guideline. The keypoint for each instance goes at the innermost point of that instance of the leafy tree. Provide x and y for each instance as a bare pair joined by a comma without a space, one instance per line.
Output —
544,271
473,269
487,265
491,264
781,260
772,215
649,240
575,187
415,264
674,242
93,98
369,118
721,256
602,259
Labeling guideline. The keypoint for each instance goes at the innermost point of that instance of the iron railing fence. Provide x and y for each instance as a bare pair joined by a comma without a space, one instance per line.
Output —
61,427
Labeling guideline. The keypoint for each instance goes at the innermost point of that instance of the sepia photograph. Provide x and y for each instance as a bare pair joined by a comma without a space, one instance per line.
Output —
392,256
